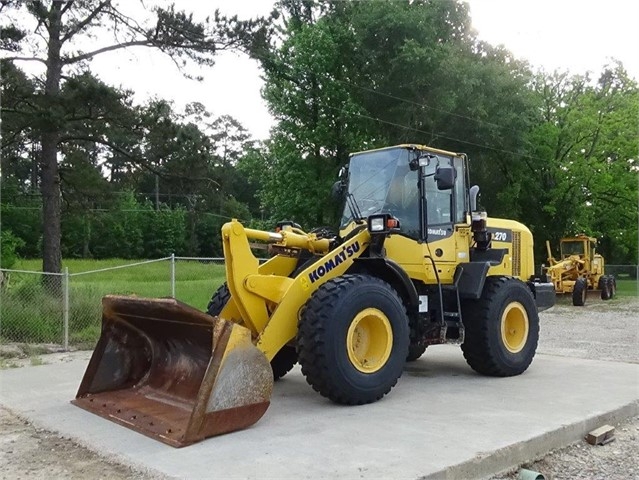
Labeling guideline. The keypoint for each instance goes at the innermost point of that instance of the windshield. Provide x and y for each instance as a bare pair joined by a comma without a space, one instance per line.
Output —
381,181
572,248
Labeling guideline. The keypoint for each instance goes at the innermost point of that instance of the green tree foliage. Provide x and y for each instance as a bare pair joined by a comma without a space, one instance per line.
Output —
135,181
354,75
9,245
56,36
191,164
318,121
581,174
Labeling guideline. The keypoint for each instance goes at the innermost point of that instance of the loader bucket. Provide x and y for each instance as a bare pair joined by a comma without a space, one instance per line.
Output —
174,373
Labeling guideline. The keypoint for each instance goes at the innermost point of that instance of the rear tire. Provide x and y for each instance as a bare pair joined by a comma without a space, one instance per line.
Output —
415,351
282,362
352,340
612,286
604,286
579,292
502,328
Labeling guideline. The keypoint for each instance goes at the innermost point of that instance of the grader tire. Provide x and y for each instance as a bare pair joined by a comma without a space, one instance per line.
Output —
352,339
282,362
612,286
605,287
502,328
579,292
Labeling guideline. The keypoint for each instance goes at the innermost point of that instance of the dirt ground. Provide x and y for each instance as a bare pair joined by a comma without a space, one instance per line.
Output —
35,454
600,330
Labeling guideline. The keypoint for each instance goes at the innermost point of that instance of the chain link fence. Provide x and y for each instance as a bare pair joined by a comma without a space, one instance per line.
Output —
629,272
65,309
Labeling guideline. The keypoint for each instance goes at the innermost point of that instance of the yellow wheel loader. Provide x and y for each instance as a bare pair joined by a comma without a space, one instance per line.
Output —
415,263
579,270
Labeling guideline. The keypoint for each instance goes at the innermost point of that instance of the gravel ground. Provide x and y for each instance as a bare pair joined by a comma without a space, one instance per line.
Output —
600,330
603,331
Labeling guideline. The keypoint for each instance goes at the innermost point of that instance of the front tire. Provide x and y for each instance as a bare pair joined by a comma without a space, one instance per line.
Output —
502,328
604,286
579,292
282,362
352,340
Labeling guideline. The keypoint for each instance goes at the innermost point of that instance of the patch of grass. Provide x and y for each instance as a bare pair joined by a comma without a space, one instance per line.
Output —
35,361
32,350
29,314
5,363
627,287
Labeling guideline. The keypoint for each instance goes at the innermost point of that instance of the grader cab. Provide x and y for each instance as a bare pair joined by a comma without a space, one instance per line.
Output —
579,270
415,263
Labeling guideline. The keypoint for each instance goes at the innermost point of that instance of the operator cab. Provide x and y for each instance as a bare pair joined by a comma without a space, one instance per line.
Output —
580,245
388,181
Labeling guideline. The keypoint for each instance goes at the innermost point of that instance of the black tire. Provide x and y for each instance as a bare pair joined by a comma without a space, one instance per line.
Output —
502,328
282,362
604,286
415,351
334,320
221,296
612,286
579,292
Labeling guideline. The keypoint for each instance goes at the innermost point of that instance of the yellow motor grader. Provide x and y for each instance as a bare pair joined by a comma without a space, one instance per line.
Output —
579,270
415,263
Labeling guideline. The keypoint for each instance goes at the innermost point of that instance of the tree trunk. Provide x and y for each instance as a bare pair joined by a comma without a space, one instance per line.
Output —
50,185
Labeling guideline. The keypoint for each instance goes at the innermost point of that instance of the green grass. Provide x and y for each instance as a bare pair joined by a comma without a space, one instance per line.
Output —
627,287
30,314
194,281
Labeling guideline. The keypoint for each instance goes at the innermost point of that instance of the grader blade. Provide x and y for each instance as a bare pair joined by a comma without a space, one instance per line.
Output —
173,373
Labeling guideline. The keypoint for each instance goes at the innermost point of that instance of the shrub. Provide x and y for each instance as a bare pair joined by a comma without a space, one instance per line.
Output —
9,244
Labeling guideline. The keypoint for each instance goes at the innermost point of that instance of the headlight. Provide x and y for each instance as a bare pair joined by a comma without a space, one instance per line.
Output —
382,223
376,224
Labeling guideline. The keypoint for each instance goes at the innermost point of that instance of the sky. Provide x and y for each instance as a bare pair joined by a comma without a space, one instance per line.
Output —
574,35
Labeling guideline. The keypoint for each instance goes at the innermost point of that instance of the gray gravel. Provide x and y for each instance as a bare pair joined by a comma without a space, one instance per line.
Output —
603,331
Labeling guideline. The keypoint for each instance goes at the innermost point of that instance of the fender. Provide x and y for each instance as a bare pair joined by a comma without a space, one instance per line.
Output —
394,274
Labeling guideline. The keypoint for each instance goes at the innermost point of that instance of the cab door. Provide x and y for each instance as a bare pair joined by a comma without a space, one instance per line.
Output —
447,234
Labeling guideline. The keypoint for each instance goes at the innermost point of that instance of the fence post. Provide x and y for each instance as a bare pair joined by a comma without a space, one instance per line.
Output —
65,308
173,275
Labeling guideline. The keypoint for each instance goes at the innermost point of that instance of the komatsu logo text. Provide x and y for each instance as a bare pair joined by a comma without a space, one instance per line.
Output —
331,263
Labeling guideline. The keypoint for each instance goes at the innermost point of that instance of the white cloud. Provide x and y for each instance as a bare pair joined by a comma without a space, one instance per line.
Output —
574,35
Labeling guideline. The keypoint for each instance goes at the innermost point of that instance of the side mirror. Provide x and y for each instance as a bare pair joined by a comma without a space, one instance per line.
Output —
337,191
445,177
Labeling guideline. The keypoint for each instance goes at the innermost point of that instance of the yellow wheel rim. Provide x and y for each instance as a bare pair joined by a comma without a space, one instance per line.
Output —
514,327
369,340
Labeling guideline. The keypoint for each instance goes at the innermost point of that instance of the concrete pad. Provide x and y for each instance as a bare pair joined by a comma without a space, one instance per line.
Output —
441,421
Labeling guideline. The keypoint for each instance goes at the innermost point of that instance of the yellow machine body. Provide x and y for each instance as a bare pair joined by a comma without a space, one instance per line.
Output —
580,268
179,375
